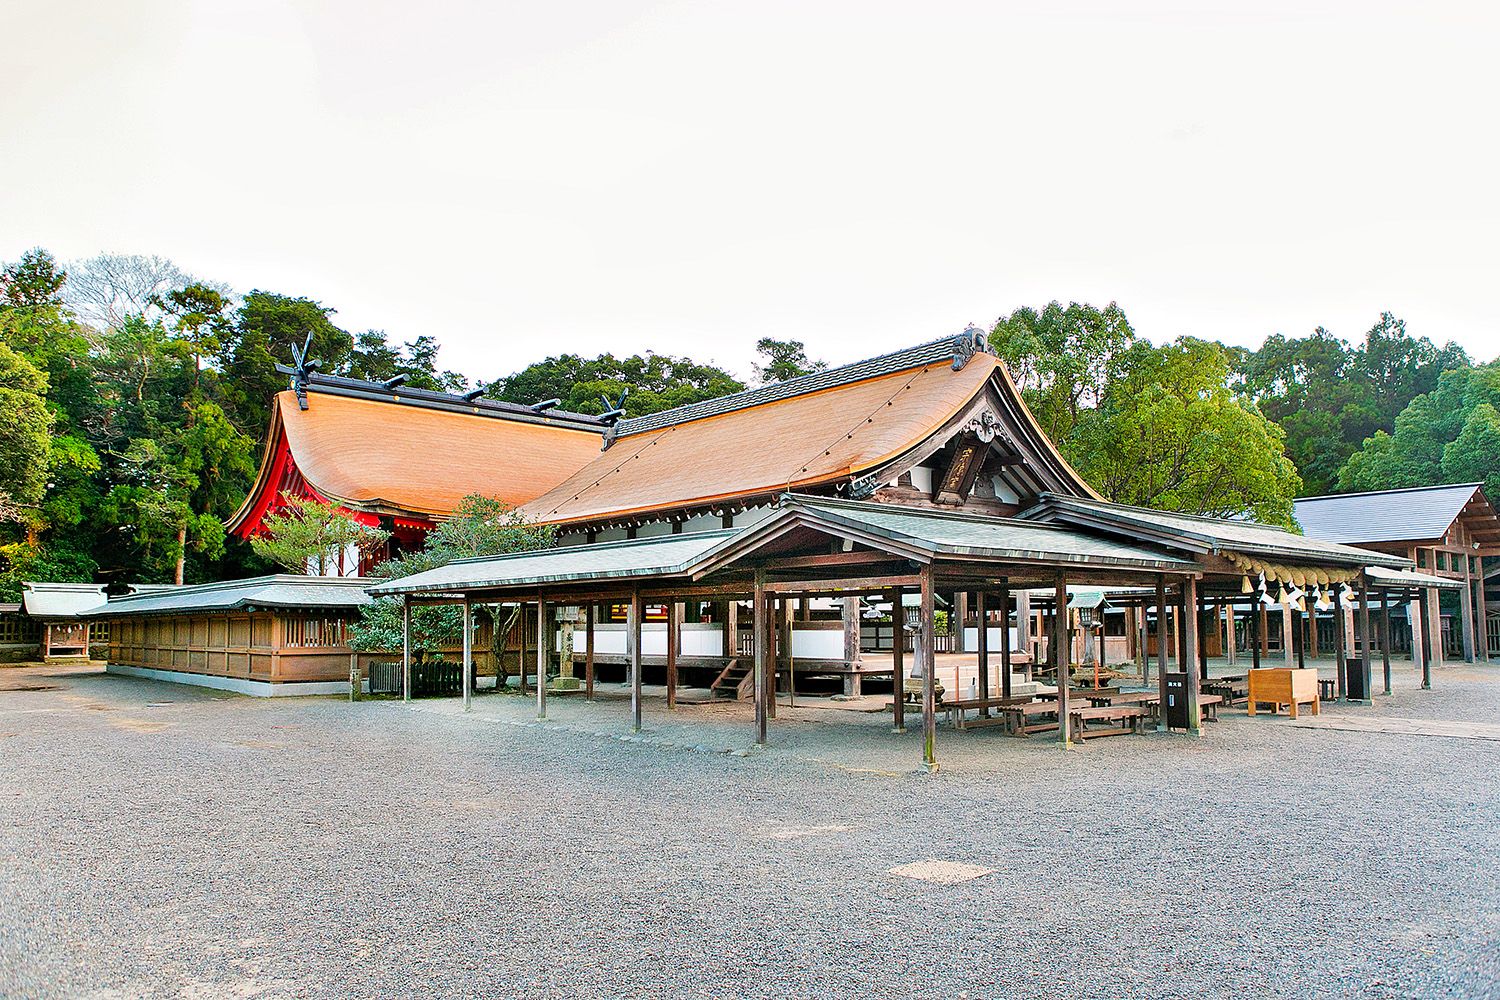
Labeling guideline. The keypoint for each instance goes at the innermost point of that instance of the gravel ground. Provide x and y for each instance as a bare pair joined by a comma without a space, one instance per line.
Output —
219,847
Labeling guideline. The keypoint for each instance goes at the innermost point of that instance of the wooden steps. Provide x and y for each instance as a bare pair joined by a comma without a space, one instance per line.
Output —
736,680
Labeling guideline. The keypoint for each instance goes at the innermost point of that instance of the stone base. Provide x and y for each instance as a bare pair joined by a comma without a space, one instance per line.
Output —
564,684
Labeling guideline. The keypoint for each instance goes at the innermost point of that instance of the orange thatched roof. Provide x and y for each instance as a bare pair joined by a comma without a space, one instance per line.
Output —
826,429
411,458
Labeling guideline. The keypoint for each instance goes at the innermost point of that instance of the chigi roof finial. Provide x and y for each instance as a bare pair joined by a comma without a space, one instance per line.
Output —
304,369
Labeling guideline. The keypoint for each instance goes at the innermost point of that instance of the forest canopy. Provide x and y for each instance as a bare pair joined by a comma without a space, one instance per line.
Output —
134,396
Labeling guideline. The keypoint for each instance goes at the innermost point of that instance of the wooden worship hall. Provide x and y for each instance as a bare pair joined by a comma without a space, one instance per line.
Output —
917,472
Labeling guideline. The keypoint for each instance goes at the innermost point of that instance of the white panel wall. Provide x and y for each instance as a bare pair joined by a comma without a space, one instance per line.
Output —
611,535
703,522
971,639
655,530
818,644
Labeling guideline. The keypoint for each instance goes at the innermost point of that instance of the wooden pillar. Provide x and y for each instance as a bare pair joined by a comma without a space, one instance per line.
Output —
732,628
543,655
1023,629
1192,640
1265,627
521,645
1466,612
1161,644
1288,636
465,672
960,608
1340,651
1364,645
674,632
588,653
1426,615
898,662
1253,638
762,654
406,647
1316,640
852,682
928,653
1229,636
1385,636
982,647
1483,612
1060,642
634,620
1005,651
1434,624
1202,610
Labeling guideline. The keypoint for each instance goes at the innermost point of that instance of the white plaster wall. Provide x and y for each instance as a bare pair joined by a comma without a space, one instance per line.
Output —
611,535
818,644
654,530
703,522
971,639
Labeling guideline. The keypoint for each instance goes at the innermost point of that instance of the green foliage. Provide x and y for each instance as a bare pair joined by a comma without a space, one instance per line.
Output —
655,382
265,331
374,359
785,359
1328,396
25,430
1153,427
1170,434
1445,436
1063,360
303,532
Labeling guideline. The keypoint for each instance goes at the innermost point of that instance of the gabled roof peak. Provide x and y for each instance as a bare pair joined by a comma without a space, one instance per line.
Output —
958,349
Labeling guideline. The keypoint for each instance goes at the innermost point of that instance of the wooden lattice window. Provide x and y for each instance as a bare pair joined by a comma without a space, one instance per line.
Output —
17,628
307,632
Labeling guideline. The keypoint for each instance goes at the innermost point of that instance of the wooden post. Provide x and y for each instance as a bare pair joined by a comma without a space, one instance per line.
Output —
1483,612
955,598
406,647
852,685
1288,637
1435,623
588,653
1200,611
898,662
1265,627
960,609
1023,629
1385,636
1231,645
1005,651
1257,623
762,654
929,671
464,673
543,655
1192,639
1426,615
1161,646
674,616
1340,651
982,648
521,646
1364,646
1060,651
1466,613
637,613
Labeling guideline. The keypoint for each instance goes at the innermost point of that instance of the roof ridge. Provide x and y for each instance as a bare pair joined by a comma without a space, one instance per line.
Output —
481,406
618,543
1399,489
946,515
267,579
956,348
1044,497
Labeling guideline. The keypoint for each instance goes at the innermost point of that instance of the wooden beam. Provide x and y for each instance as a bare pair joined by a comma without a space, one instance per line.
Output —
828,559
856,584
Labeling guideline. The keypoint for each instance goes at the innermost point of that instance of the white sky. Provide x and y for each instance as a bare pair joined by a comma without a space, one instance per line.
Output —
522,179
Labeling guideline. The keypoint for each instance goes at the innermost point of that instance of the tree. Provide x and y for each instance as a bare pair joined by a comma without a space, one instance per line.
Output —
1474,456
374,359
103,290
1328,396
266,328
655,382
1169,433
1441,437
304,532
785,360
1062,359
25,430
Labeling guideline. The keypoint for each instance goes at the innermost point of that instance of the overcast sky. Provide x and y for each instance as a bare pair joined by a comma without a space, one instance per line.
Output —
522,179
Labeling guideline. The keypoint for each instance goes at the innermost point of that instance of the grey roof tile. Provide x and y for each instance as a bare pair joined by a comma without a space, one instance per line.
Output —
1415,514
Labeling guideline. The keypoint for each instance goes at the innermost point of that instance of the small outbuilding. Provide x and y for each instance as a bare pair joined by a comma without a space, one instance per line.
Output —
56,608
267,636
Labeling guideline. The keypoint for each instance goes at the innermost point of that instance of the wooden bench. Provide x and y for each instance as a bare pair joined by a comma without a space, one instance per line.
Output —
1129,715
1017,717
956,709
1208,706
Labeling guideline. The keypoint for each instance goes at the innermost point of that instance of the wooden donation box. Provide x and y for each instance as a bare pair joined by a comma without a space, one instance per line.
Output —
1279,686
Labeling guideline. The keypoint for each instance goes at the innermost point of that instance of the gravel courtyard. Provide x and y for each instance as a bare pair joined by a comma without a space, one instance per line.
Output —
226,847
